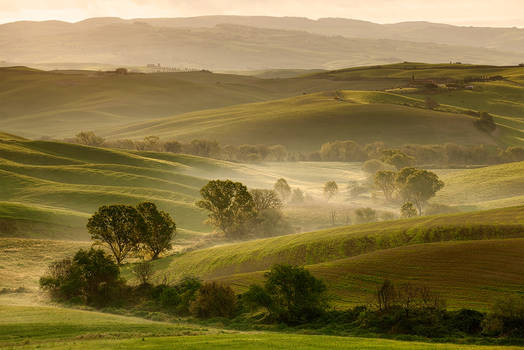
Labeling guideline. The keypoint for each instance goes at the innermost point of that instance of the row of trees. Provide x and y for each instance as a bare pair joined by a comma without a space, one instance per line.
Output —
443,155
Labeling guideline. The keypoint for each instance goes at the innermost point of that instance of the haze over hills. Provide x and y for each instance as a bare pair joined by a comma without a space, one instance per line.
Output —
245,43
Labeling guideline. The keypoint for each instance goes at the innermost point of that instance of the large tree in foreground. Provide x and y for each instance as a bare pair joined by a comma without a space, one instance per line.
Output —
230,206
159,231
418,186
118,227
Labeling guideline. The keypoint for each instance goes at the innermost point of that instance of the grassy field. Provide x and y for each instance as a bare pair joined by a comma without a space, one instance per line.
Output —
467,274
332,244
422,71
62,184
489,187
54,328
43,326
364,117
24,261
37,103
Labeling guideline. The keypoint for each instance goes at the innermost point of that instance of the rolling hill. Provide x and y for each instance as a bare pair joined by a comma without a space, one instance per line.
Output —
57,104
466,274
49,189
489,187
342,242
470,258
305,122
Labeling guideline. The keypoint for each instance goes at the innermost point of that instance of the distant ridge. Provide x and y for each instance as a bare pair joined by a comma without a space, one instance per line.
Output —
250,43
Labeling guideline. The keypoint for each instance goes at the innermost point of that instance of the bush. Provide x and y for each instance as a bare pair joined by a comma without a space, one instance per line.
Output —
505,318
178,298
290,294
91,277
214,300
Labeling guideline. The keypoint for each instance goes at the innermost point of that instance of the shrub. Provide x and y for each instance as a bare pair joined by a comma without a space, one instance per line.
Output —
290,294
505,318
91,277
214,300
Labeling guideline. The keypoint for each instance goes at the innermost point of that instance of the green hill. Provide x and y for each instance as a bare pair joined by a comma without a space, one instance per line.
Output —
49,189
489,187
467,274
57,104
342,242
304,123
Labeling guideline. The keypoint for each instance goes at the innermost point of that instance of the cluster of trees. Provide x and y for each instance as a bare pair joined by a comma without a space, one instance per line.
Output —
413,186
125,230
92,277
441,155
238,212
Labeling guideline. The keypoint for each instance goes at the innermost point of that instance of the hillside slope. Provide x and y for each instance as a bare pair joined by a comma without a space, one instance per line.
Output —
57,104
489,187
467,274
328,245
304,123
49,189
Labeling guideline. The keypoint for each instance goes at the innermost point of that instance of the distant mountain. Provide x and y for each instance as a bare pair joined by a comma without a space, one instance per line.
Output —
248,43
504,39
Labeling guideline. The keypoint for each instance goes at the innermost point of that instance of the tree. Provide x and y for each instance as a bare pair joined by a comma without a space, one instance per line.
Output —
372,166
486,123
330,189
143,272
159,229
89,138
266,199
418,186
298,196
365,215
386,296
397,158
385,180
408,210
283,189
119,227
342,151
214,300
230,206
91,276
173,146
269,220
290,294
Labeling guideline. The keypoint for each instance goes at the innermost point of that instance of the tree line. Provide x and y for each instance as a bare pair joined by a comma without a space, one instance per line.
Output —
441,155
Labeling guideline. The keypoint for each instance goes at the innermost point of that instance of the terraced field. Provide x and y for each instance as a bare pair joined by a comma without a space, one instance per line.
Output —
57,104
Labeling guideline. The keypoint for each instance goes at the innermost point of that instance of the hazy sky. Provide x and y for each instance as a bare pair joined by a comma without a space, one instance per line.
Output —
463,12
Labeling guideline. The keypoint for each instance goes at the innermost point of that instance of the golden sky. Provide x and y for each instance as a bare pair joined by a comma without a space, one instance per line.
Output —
501,13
